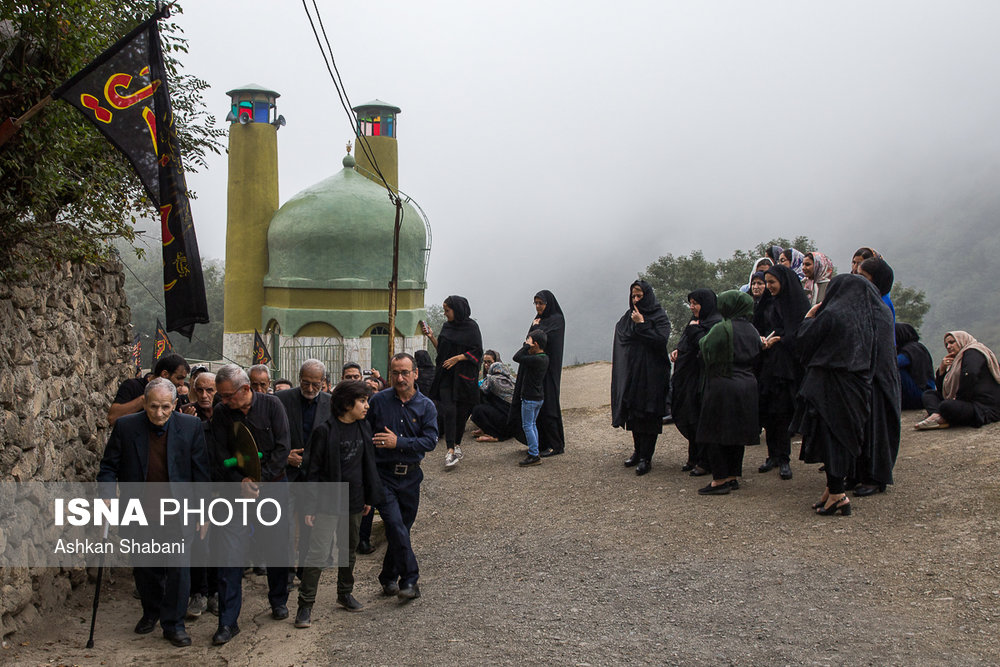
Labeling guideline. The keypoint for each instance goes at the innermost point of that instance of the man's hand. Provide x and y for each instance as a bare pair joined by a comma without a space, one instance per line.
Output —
295,458
366,510
385,440
190,409
250,488
309,519
202,529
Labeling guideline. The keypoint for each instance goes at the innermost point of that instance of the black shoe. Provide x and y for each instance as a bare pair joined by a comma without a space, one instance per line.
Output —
643,467
698,471
785,471
364,548
632,460
869,489
260,571
687,467
546,453
390,589
530,460
668,419
720,490
843,506
768,465
146,625
734,484
178,638
224,634
303,617
279,613
348,602
407,593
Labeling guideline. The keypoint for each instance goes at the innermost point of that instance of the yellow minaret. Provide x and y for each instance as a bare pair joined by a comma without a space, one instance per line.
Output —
377,124
252,201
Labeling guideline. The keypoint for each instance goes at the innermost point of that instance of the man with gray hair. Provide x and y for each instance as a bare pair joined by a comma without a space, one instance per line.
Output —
158,445
260,378
306,407
265,418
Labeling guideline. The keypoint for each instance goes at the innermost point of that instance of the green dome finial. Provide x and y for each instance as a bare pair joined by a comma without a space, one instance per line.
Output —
349,161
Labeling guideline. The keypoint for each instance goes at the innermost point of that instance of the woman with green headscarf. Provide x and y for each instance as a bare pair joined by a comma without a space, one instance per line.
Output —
729,418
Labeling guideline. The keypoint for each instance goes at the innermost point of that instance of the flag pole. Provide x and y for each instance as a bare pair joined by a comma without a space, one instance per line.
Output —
10,126
394,285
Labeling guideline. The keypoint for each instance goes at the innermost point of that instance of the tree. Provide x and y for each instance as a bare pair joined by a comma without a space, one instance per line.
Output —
910,303
65,191
435,319
673,278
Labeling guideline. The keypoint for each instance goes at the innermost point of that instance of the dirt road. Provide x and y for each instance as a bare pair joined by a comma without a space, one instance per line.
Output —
578,561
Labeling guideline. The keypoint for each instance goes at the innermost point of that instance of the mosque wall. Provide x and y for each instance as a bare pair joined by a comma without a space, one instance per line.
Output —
64,348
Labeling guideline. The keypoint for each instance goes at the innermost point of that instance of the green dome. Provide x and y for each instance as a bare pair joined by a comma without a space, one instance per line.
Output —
337,234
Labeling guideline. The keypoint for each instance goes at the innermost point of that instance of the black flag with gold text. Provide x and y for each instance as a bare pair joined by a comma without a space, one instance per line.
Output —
124,94
161,343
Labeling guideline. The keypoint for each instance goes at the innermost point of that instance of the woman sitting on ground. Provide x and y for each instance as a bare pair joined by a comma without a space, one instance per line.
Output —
916,369
497,390
969,385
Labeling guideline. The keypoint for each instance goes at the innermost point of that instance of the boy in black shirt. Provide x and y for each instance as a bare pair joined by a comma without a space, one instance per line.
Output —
341,450
533,363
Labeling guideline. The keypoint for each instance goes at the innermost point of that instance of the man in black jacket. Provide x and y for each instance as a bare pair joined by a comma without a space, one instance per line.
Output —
157,445
306,407
265,418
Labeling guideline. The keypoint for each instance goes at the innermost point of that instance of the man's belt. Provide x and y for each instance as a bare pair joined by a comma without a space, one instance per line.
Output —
399,469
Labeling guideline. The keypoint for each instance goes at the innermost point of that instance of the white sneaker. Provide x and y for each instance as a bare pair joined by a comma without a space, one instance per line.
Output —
450,460
458,452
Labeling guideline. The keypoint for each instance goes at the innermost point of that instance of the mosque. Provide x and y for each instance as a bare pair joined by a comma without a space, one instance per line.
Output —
313,275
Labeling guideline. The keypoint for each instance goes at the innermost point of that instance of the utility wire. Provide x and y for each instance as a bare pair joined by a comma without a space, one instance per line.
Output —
338,84
208,345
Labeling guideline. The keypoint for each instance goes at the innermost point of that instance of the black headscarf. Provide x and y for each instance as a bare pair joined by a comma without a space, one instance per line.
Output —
640,365
841,335
921,364
709,312
789,306
551,305
881,273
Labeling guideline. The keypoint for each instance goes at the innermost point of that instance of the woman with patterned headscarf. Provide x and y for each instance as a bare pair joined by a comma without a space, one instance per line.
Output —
968,381
818,269
729,405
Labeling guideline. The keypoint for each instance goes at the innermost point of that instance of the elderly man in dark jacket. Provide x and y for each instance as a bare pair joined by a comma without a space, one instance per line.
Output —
157,445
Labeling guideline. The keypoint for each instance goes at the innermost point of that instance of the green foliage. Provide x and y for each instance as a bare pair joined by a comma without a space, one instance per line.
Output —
65,191
144,291
435,320
673,278
910,303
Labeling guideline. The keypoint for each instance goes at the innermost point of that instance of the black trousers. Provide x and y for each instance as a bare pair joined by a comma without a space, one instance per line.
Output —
779,441
835,484
454,416
164,594
726,460
960,413
491,416
645,444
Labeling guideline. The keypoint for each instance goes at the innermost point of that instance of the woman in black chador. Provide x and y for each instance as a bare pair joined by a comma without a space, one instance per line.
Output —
729,406
640,373
456,375
777,317
840,344
687,376
548,318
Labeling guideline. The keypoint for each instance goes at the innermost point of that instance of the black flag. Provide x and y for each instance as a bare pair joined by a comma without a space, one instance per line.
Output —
124,94
260,353
161,343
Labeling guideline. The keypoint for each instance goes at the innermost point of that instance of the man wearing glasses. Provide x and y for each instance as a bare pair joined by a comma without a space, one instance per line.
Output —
265,417
404,424
306,407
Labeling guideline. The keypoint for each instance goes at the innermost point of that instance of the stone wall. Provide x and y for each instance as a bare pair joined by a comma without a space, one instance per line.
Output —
64,338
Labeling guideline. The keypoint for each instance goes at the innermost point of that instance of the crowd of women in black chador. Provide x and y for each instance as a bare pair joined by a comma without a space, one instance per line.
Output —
793,352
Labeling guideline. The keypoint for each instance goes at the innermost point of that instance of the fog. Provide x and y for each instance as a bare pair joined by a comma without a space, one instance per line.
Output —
565,146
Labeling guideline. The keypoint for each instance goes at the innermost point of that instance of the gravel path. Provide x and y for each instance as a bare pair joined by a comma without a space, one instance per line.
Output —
578,561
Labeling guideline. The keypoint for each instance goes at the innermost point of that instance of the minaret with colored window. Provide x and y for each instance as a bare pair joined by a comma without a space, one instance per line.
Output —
377,124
